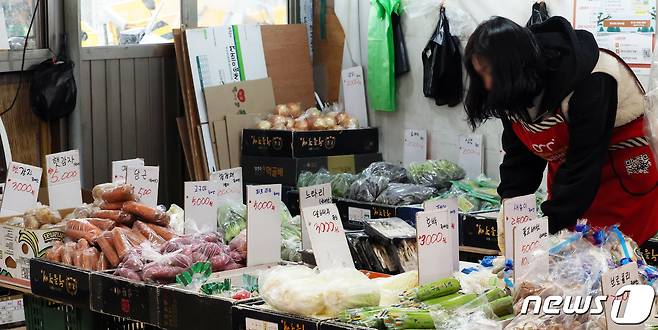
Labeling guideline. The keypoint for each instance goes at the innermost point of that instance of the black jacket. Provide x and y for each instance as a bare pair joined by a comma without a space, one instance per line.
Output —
570,56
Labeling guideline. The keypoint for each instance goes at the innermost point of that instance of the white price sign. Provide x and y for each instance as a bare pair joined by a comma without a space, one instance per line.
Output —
530,242
312,196
263,226
63,179
265,191
434,239
611,282
145,180
449,205
230,183
21,189
470,154
358,214
517,211
201,204
325,230
415,146
119,168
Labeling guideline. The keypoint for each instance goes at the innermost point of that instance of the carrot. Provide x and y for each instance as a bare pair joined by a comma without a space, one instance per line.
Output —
55,252
80,228
149,233
115,215
102,263
164,232
103,224
148,214
135,236
106,245
67,253
111,206
121,193
89,258
121,242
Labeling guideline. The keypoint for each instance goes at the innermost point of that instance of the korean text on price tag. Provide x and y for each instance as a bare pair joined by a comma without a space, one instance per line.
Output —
312,196
434,246
230,183
63,179
21,189
265,191
530,255
119,168
470,154
145,180
449,205
517,211
263,227
415,146
327,236
201,204
611,282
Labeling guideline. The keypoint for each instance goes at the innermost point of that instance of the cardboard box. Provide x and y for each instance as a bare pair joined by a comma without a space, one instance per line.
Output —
278,143
60,282
259,316
12,311
268,170
479,230
649,250
125,298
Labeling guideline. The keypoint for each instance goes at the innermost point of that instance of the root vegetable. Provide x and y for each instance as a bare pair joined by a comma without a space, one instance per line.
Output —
102,224
149,233
164,232
148,214
121,193
106,244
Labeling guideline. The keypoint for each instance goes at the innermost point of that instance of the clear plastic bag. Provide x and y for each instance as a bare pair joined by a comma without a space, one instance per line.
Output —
231,218
388,170
405,194
435,173
367,189
291,239
341,183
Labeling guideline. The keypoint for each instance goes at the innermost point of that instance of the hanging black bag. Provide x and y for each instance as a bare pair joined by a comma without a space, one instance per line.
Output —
442,65
53,91
539,14
402,65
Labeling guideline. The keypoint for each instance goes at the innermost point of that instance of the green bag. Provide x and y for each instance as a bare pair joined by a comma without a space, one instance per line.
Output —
381,54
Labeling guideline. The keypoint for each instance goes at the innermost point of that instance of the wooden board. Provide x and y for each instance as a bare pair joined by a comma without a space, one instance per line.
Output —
328,53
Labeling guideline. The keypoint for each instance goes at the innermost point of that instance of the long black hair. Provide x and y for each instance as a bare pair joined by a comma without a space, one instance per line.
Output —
514,57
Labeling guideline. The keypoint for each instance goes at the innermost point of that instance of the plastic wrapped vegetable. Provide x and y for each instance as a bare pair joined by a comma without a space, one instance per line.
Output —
393,172
368,188
435,173
291,239
231,218
340,184
405,194
347,288
238,248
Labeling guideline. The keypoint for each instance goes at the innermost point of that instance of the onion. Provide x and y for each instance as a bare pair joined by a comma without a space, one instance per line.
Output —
281,110
301,124
330,122
319,124
264,124
352,123
313,112
342,117
331,114
277,120
294,109
290,123
279,127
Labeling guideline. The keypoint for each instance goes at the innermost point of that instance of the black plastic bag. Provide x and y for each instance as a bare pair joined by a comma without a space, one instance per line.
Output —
442,65
402,65
539,14
53,90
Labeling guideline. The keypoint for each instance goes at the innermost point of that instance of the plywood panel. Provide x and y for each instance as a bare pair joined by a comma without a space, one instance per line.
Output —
128,103
99,121
87,150
142,107
328,53
21,124
114,127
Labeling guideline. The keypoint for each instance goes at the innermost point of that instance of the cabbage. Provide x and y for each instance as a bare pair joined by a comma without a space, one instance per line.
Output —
391,287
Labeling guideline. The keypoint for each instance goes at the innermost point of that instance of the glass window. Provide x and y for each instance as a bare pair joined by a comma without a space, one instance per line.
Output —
17,16
128,22
228,12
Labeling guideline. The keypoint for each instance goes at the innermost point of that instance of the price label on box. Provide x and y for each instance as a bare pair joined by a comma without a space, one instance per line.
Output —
530,242
230,183
201,204
120,167
312,196
145,180
415,146
21,189
434,239
63,179
449,205
517,211
263,225
327,236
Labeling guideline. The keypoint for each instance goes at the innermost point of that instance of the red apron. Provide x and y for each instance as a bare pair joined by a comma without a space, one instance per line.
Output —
627,194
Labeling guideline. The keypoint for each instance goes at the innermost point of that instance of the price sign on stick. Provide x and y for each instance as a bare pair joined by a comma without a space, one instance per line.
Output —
230,183
120,167
263,226
449,205
21,189
530,244
517,211
415,146
611,282
201,204
145,180
434,239
63,179
312,196
470,154
327,236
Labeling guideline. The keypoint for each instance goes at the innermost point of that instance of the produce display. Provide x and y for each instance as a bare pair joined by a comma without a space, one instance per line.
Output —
41,217
474,195
290,117
435,173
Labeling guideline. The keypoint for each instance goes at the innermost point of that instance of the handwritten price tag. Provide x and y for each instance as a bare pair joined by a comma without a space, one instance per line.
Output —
263,226
21,189
120,167
63,179
312,196
354,94
517,211
201,204
530,239
265,191
145,180
327,236
434,245
449,205
415,146
230,183
611,282
470,154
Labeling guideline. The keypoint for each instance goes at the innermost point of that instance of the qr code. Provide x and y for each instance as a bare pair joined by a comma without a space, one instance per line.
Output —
638,165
